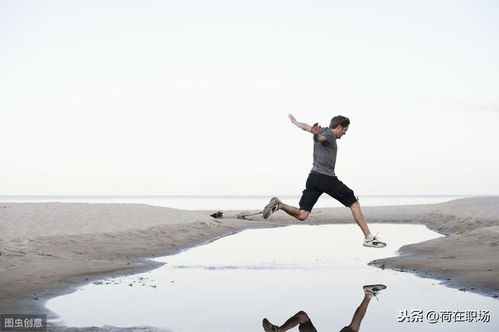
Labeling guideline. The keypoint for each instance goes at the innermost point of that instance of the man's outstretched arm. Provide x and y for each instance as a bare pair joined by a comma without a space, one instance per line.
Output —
315,129
301,125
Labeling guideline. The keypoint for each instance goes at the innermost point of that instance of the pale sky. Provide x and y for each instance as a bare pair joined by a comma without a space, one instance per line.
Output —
192,97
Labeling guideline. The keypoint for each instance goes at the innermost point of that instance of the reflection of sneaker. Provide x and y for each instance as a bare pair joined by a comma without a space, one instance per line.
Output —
274,205
372,290
268,327
373,242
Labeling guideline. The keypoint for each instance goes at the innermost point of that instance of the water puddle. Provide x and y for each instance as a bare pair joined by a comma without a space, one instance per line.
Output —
233,283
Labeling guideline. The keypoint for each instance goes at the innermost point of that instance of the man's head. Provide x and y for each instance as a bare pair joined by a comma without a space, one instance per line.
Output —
339,125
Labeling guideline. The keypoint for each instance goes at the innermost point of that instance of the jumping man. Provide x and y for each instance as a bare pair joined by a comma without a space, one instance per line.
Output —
322,179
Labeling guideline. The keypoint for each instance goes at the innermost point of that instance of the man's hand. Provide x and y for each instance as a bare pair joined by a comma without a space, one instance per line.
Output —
292,118
316,129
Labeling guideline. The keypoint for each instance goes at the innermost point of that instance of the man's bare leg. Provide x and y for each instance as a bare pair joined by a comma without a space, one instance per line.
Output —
355,208
359,218
300,214
360,313
369,292
369,239
299,318
295,212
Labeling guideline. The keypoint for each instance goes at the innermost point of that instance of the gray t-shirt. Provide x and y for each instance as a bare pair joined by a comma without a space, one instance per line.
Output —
325,153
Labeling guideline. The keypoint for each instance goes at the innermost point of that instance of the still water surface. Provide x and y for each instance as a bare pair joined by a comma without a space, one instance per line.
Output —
233,283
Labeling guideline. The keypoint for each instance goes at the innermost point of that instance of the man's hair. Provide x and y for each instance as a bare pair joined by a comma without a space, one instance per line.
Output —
339,120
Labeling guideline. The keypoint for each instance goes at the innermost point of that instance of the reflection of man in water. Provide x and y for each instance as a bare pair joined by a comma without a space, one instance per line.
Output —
305,324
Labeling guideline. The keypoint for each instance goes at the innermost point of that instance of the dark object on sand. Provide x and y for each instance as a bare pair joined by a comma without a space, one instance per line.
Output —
217,215
246,214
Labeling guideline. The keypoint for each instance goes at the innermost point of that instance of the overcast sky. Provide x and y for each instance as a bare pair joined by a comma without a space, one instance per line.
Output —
192,97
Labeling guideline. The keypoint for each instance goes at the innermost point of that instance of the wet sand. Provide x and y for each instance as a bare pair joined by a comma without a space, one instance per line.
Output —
48,249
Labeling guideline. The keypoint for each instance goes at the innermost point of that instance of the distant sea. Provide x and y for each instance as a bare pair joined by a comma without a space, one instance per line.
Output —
250,202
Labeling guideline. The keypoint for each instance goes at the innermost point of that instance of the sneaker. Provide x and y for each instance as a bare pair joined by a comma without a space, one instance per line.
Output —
373,242
372,290
273,206
268,327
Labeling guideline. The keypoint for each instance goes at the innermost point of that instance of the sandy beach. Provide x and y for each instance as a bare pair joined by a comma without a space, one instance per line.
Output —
50,248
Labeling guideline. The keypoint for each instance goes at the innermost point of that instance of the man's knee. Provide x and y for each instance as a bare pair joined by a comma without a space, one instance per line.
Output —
303,215
355,205
302,317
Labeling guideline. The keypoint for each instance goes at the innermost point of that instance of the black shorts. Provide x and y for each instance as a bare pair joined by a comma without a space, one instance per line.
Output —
317,184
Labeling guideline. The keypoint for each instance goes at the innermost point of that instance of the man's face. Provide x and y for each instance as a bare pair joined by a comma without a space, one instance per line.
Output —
341,131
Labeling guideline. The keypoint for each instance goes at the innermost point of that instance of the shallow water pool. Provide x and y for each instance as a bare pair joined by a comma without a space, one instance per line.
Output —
233,283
